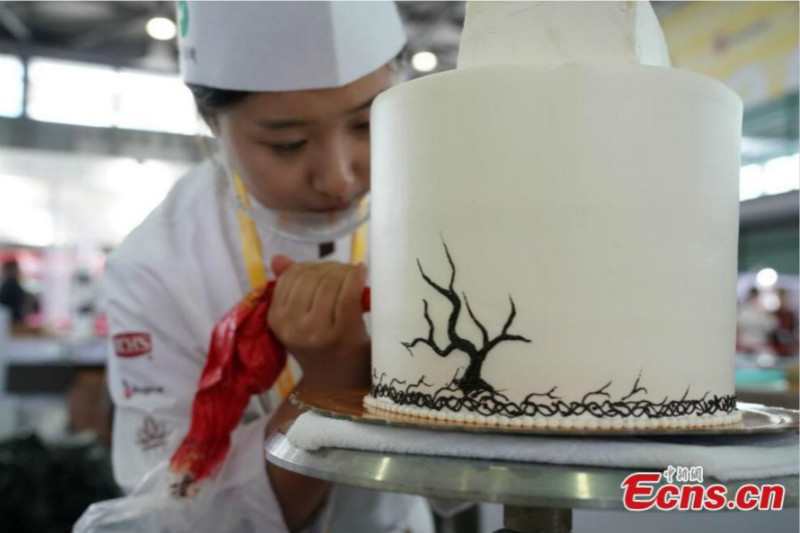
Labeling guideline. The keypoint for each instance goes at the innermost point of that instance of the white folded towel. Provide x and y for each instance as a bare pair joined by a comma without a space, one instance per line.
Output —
723,457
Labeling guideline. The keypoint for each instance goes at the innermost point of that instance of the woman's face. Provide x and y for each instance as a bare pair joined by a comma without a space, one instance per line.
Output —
303,150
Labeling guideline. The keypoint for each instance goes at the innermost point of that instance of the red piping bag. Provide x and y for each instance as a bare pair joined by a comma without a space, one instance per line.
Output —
244,359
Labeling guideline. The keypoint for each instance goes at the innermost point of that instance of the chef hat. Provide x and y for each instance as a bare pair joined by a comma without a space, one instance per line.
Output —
285,46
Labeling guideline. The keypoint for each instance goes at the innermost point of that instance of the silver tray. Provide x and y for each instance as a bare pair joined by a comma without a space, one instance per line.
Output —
349,405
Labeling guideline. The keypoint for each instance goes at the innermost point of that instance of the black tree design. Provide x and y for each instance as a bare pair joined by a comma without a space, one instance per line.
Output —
471,382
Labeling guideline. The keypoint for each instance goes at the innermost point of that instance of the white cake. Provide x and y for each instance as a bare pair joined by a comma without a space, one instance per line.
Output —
554,236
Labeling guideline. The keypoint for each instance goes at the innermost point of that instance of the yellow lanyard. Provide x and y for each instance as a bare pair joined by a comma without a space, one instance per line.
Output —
256,268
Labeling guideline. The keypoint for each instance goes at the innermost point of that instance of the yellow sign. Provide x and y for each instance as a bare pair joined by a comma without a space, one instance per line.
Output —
751,46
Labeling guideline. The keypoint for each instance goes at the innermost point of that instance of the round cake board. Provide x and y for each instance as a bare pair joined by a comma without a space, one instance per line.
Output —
349,405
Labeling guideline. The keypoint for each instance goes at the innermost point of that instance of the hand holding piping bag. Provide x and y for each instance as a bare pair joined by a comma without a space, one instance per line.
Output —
316,314
312,310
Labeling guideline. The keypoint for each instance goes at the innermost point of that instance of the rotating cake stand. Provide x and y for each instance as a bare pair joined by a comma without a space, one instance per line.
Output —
536,497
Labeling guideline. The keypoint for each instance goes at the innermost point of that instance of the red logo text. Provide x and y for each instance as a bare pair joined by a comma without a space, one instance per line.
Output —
132,344
642,492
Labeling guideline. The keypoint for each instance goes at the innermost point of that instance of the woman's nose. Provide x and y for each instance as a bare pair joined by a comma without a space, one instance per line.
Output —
335,176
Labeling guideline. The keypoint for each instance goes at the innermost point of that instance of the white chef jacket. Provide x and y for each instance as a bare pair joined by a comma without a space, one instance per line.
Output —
165,287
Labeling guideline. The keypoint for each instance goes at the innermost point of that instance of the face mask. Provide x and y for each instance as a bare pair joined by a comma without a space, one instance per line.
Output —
305,227
309,227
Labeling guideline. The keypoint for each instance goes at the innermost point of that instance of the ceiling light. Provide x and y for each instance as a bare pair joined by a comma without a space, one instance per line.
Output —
766,277
161,28
424,61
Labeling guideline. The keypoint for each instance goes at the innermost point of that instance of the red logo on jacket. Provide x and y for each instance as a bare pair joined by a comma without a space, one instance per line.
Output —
132,344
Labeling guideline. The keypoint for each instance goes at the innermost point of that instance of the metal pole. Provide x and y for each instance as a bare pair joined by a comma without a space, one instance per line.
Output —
536,520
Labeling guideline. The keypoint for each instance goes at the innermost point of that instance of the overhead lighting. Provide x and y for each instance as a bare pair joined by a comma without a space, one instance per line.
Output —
161,29
766,277
11,72
424,61
777,175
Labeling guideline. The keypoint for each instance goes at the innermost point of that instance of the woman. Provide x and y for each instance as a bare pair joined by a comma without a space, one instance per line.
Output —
286,89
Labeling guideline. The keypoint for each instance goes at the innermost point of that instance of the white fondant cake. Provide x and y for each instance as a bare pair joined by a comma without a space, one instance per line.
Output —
555,244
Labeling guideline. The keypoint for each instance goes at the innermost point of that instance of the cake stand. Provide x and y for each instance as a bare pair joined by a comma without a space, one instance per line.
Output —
535,497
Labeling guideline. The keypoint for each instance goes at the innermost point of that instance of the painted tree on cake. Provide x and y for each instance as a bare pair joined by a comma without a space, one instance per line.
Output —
472,381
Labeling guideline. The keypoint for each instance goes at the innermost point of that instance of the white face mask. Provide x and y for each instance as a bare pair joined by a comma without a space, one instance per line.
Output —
306,227
309,227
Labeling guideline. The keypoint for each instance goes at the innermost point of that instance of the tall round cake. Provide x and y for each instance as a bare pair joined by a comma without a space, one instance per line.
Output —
554,243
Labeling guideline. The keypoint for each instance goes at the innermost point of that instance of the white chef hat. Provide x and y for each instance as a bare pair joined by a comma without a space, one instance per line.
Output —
285,46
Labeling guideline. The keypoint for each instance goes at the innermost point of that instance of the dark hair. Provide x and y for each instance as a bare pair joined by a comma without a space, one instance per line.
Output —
9,267
211,101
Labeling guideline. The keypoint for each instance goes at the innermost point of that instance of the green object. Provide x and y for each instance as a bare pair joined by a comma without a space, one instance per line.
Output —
774,245
760,376
774,120
183,17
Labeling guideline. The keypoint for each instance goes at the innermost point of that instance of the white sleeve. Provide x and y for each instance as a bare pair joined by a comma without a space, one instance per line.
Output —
154,367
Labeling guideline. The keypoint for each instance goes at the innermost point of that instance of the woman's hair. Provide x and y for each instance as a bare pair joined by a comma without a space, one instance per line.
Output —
211,101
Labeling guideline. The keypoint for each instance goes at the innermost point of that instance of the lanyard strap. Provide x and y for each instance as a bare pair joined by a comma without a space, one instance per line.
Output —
256,268
251,244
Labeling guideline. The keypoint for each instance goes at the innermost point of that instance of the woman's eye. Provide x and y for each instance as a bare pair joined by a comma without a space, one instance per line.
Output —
287,148
362,126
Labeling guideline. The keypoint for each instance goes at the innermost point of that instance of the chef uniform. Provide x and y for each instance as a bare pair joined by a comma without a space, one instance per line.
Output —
210,241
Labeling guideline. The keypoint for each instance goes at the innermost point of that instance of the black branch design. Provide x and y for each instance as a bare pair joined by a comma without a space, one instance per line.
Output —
549,394
686,394
598,403
599,392
636,388
471,381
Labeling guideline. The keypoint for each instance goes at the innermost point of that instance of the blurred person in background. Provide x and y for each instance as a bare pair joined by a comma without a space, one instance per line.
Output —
755,325
784,337
13,296
286,88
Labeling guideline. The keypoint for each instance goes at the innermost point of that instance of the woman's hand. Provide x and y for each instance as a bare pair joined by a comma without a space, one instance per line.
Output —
316,313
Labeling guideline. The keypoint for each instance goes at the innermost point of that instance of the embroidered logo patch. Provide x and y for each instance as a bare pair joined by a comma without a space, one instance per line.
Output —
133,344
151,434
